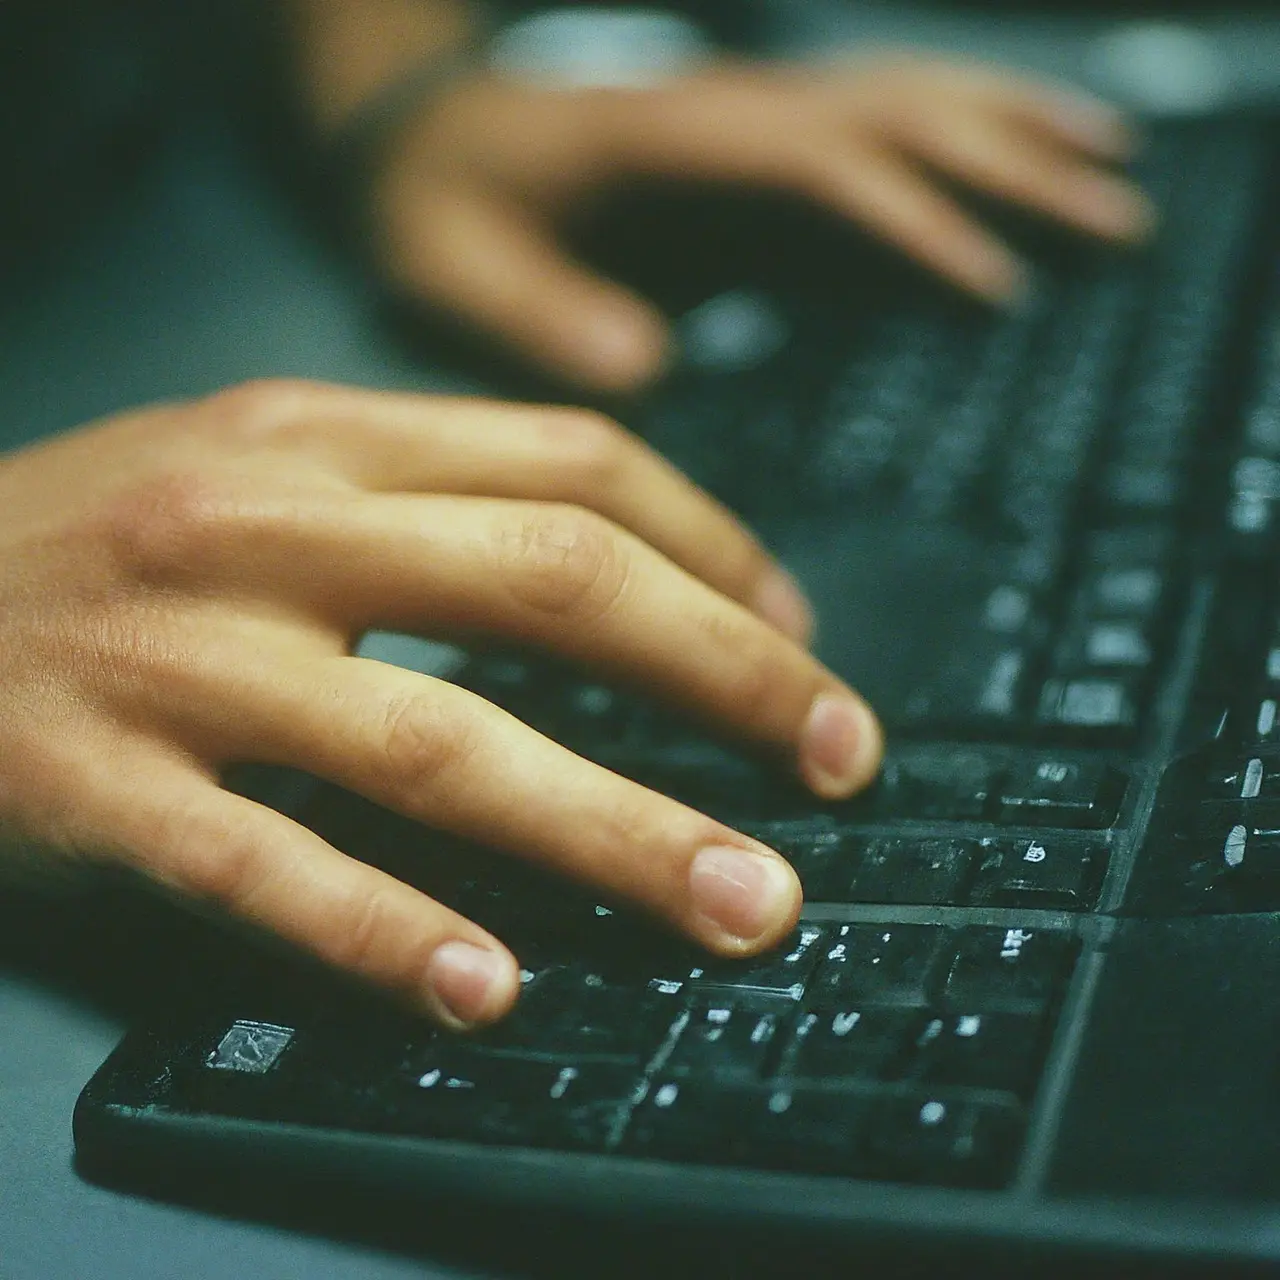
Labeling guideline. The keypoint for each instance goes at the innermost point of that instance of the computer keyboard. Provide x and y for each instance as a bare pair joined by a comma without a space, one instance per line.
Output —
1046,544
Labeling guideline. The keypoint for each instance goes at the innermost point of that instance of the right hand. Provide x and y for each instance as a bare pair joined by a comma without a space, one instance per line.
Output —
471,205
181,589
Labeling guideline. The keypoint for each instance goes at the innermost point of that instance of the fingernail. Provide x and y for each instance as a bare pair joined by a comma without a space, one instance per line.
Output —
748,895
840,745
780,601
465,979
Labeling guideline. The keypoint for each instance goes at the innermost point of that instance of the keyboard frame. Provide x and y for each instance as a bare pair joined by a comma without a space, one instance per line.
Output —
824,1212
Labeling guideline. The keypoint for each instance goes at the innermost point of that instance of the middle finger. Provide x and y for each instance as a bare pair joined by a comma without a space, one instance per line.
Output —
395,443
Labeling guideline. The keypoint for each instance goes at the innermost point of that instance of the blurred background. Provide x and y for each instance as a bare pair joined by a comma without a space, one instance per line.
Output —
163,236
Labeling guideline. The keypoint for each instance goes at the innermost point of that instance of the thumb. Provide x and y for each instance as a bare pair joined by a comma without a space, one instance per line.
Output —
505,273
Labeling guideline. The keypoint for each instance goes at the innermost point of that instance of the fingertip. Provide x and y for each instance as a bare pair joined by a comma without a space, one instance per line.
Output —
1090,123
1001,279
988,270
841,746
1129,214
621,350
745,899
469,985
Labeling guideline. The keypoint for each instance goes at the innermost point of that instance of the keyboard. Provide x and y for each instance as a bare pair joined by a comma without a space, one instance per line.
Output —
1046,544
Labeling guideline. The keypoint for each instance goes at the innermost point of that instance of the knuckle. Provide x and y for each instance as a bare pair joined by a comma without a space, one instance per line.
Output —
421,744
743,565
163,526
595,449
752,674
565,562
754,684
264,409
227,866
379,942
363,944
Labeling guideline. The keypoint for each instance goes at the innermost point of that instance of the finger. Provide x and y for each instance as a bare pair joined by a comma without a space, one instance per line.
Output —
901,206
178,827
1075,120
568,580
504,273
1015,164
448,758
468,446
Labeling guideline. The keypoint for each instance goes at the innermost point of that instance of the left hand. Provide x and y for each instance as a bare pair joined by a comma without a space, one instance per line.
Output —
468,209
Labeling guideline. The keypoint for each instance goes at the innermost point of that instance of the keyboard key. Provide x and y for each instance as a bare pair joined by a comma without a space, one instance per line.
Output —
780,975
573,1013
695,1120
1061,793
1047,873
1243,790
1126,592
1141,488
879,964
951,784
1244,778
1116,644
998,1051
464,1095
1007,970
784,1127
725,1040
1261,721
912,870
818,851
1231,867
1008,610
998,693
556,927
250,1047
1089,703
953,1141
847,1044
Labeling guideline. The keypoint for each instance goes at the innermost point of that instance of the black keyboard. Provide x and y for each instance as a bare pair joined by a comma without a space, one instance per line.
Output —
1046,544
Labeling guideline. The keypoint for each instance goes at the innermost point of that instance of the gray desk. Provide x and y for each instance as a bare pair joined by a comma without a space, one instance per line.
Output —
203,279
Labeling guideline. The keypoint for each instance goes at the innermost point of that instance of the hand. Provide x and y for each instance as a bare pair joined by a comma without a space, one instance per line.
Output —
181,589
469,207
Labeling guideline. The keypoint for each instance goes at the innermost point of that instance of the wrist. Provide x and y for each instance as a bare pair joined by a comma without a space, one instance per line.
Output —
357,93
346,53
356,145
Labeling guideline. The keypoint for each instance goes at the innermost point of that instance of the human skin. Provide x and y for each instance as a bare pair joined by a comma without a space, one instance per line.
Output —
181,590
477,185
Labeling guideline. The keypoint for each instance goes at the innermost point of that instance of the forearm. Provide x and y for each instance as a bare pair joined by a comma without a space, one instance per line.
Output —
348,49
